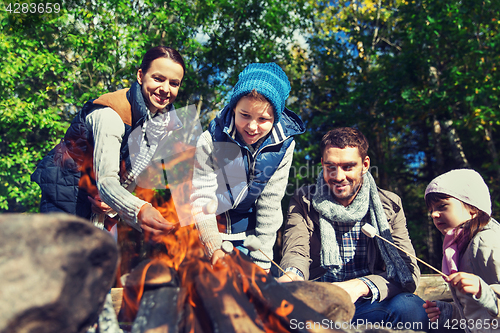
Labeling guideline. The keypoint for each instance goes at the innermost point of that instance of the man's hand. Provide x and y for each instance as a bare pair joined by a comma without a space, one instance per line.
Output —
465,283
355,288
152,221
432,310
98,206
292,275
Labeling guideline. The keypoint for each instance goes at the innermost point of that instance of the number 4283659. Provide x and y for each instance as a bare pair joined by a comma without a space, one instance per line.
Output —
33,8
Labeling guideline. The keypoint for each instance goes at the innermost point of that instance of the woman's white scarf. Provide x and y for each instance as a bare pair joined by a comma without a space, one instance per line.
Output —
153,130
366,200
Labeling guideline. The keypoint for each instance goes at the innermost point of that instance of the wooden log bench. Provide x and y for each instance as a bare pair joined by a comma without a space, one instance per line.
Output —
433,287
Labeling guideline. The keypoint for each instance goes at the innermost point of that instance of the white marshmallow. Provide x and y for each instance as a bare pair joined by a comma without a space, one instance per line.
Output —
227,247
369,230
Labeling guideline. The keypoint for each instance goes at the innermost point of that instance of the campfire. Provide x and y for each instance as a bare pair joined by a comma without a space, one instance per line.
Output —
180,291
177,289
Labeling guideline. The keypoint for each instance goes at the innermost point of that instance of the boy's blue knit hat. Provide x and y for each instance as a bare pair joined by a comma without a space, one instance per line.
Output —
268,80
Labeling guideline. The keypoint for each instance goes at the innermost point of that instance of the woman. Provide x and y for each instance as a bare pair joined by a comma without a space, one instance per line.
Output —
110,142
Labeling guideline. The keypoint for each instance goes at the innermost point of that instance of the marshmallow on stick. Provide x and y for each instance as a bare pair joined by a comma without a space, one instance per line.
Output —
370,231
227,247
252,243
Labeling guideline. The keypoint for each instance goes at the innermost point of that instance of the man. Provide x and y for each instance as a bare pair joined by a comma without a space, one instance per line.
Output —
323,239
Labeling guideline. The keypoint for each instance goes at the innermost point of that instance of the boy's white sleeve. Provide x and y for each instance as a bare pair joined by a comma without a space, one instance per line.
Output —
204,192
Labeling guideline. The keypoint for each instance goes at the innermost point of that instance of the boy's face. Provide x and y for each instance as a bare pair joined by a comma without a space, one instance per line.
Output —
449,213
253,119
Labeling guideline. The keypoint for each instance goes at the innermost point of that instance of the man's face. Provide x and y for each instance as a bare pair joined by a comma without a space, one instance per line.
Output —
343,170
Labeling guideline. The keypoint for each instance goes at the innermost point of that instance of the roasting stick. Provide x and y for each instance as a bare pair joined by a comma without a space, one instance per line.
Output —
370,231
253,244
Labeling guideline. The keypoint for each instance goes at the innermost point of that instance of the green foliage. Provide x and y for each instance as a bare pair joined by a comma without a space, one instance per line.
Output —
420,79
53,63
411,75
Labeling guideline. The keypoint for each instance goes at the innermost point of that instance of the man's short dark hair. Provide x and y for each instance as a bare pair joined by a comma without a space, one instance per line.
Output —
342,137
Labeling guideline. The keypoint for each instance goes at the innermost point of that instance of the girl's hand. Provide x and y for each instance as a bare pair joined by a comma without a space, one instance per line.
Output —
466,283
432,310
151,220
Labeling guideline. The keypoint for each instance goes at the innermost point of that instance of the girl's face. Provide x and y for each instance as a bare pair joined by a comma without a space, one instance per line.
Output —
449,213
253,119
160,84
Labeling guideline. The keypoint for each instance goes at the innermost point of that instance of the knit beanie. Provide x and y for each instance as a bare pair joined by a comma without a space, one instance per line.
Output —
465,185
268,80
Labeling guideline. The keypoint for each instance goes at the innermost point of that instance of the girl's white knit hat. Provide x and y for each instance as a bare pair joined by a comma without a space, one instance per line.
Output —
466,185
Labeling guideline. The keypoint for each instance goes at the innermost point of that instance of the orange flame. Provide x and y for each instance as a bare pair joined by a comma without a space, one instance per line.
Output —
186,255
285,309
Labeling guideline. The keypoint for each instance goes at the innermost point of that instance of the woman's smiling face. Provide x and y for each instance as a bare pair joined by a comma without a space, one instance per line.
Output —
161,83
253,119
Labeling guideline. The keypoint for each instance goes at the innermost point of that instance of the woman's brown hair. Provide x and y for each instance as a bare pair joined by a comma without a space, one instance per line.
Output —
162,52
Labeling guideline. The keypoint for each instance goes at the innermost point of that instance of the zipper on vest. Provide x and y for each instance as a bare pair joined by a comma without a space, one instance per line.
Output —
228,223
239,198
251,167
270,145
261,149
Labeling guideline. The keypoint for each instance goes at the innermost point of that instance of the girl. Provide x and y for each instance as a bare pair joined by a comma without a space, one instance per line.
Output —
114,137
460,206
242,164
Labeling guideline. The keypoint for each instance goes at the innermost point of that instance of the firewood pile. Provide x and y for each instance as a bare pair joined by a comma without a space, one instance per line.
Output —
234,296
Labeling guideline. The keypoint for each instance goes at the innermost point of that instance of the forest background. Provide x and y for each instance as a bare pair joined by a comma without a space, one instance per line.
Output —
419,78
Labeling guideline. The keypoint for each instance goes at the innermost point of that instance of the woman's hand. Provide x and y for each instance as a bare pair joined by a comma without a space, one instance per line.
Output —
152,221
98,206
432,310
466,283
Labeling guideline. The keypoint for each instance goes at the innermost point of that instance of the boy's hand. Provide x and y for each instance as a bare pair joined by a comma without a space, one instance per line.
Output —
466,283
432,310
218,254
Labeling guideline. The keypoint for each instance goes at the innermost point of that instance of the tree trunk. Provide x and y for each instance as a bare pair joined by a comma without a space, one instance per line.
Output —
438,149
456,145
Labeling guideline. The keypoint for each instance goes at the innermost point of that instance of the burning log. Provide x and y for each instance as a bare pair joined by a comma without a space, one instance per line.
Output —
331,301
148,275
285,307
159,311
227,308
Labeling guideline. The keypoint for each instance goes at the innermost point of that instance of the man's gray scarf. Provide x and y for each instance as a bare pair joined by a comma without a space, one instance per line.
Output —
366,200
